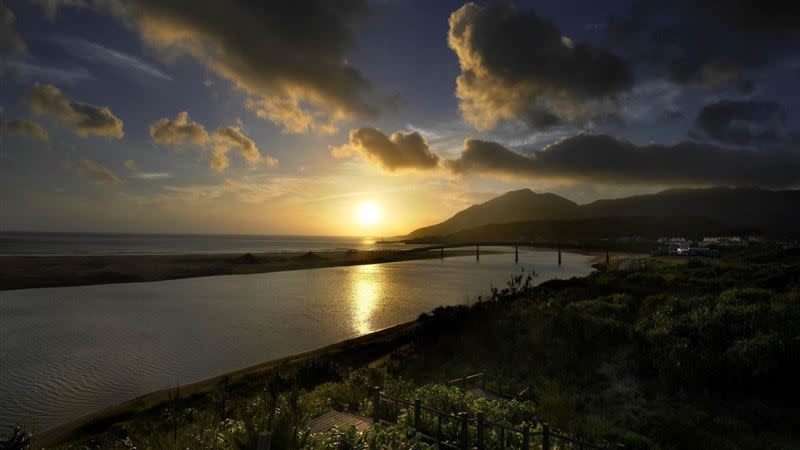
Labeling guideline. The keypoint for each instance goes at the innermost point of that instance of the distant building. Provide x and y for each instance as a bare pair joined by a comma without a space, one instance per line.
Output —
670,245
695,251
675,241
725,241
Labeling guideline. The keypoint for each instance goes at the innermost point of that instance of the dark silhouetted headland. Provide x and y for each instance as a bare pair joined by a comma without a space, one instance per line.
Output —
685,211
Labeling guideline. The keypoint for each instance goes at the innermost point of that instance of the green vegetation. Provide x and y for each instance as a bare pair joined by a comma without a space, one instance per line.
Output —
701,354
677,354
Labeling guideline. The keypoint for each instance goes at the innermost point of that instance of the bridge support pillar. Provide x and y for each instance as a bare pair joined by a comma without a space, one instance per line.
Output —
441,253
559,255
516,253
477,253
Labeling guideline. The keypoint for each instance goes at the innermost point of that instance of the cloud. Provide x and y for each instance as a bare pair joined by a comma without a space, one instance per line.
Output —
707,43
652,101
398,151
136,174
151,175
25,128
84,119
94,171
90,51
183,131
742,122
605,159
294,72
518,66
19,71
179,131
230,138
10,40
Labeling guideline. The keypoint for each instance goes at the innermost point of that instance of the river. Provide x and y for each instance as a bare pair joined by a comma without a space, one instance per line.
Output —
66,352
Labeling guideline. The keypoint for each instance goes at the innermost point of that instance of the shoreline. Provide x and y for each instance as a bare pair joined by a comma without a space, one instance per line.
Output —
32,272
360,350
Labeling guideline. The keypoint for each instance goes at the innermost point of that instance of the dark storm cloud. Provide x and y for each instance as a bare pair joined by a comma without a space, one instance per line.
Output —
84,119
397,151
289,58
743,122
517,65
605,159
774,17
10,40
710,43
24,128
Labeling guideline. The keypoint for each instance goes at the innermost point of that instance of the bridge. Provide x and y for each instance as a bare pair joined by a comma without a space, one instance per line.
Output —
478,244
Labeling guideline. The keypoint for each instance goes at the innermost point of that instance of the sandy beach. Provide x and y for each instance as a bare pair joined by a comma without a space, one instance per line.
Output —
26,272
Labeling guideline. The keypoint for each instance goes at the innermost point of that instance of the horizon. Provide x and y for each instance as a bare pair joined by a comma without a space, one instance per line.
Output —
367,236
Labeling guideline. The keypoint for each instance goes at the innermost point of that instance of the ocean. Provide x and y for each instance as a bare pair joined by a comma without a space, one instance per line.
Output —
51,244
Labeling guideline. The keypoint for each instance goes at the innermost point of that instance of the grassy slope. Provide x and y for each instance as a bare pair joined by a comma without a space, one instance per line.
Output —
676,355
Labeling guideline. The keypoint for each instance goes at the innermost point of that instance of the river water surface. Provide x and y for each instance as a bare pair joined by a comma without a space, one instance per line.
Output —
66,352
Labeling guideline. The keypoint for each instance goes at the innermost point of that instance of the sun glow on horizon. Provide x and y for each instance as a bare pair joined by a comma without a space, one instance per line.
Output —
368,214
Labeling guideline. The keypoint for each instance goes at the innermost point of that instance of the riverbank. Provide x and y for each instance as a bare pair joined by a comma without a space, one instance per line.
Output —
137,406
355,352
27,272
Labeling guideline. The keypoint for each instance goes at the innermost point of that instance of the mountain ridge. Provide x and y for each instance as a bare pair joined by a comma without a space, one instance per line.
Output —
507,206
765,211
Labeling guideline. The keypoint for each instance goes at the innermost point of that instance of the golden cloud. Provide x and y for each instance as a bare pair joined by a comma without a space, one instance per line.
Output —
178,131
25,128
94,171
84,119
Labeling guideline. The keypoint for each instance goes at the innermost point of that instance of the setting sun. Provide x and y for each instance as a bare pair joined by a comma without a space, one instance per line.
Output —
368,214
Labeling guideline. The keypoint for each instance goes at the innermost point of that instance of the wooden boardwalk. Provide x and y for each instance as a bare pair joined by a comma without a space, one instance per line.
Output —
341,419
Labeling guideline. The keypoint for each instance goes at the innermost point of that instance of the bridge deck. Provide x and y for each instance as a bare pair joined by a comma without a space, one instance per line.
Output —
473,244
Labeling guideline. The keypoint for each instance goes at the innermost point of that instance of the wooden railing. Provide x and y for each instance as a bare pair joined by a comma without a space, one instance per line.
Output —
463,381
465,432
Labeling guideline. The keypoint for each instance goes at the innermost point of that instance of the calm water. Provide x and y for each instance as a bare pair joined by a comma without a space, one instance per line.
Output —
65,352
24,243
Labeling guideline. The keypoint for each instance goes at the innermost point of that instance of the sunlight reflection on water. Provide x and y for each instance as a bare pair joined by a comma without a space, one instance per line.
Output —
365,282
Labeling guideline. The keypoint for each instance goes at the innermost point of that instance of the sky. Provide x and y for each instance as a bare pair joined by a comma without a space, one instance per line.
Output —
168,116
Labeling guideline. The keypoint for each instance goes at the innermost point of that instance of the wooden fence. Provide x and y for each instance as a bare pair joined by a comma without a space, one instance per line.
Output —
465,432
